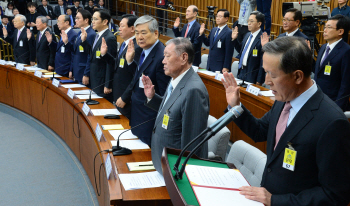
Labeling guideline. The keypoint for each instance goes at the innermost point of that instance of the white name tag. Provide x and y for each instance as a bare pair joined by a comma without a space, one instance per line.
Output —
20,67
56,83
70,93
62,49
253,90
219,44
38,74
108,165
98,132
21,43
218,76
86,109
141,83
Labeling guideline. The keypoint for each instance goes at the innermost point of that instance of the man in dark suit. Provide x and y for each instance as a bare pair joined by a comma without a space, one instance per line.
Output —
60,9
101,74
75,8
307,134
80,67
185,102
191,31
149,64
44,56
63,48
332,72
46,10
23,44
291,22
123,75
90,7
8,26
250,54
219,43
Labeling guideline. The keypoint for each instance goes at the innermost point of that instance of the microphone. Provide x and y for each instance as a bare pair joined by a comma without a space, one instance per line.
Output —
94,102
53,73
232,114
244,85
118,150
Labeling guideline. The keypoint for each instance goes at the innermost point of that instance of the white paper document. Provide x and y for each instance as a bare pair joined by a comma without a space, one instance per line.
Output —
131,144
215,177
73,85
210,73
102,112
32,68
142,180
86,96
210,197
267,93
125,135
50,75
83,92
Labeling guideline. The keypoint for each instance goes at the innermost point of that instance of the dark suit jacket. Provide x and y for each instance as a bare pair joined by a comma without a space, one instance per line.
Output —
337,84
100,72
44,55
23,54
219,58
254,71
41,10
320,133
193,34
154,69
91,10
298,33
63,60
80,60
32,18
10,30
57,10
188,103
74,10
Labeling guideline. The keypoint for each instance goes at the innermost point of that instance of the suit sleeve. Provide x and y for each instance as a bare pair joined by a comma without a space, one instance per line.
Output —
344,90
126,96
228,51
261,74
32,50
197,42
161,78
154,103
87,45
52,52
332,155
177,32
204,39
113,47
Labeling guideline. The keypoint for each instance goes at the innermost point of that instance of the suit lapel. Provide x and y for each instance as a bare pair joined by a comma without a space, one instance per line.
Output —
320,53
333,53
41,39
222,33
255,42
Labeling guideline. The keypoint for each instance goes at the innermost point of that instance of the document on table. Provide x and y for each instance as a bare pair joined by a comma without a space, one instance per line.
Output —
112,126
139,166
102,112
83,92
86,96
215,177
73,86
142,180
50,75
125,135
34,69
131,144
267,93
210,73
208,197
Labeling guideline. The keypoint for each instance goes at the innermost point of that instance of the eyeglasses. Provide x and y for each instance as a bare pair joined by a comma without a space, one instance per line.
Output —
251,21
287,20
218,16
328,28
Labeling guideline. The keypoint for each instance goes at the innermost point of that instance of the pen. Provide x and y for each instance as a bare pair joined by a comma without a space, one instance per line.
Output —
144,165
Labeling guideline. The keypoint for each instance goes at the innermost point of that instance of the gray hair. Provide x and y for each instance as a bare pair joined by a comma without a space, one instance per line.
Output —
152,22
22,18
183,45
43,19
66,18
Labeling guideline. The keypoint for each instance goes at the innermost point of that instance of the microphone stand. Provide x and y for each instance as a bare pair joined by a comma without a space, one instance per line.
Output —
94,102
243,84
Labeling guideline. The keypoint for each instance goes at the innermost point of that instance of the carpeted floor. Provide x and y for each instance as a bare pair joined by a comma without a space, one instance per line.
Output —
37,167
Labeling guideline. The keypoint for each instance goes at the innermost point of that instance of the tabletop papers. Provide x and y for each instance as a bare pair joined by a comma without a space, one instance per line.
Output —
87,96
139,166
131,144
142,180
125,135
267,93
102,112
73,85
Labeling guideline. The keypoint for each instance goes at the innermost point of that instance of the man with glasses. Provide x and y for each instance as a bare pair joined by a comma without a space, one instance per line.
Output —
291,21
332,72
219,43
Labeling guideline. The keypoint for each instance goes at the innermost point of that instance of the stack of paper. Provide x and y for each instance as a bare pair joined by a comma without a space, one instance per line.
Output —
138,166
83,92
142,180
50,75
73,86
131,144
87,96
125,135
102,112
112,127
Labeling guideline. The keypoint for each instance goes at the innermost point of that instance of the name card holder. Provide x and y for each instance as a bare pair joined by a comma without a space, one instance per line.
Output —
86,109
56,83
109,168
70,93
20,67
253,90
38,74
219,76
98,132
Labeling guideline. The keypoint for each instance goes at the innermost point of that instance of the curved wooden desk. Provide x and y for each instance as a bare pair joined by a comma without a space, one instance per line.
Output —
50,105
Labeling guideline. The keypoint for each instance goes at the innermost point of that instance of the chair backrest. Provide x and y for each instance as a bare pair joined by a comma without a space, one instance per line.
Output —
234,68
58,38
217,145
249,160
204,60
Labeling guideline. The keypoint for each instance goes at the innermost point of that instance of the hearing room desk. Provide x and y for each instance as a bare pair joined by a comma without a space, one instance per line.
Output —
51,105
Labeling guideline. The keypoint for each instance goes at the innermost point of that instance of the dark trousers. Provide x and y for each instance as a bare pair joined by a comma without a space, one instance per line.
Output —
264,6
163,18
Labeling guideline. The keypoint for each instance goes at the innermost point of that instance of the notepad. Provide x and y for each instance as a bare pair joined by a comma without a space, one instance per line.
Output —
50,73
112,127
102,112
139,166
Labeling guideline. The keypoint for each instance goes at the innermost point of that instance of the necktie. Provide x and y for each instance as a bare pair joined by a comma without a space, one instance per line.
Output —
95,41
39,36
46,10
169,91
121,49
62,11
326,55
71,21
217,33
188,26
282,122
18,34
142,57
244,51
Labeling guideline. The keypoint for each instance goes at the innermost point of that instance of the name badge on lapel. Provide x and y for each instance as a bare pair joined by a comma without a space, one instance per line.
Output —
289,159
327,69
165,120
98,54
141,83
81,48
219,44
62,49
21,43
255,52
121,62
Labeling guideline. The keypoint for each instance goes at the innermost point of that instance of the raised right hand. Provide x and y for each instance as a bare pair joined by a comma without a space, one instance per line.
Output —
104,47
264,39
130,53
148,87
48,37
83,34
234,34
232,90
29,34
202,29
177,22
4,31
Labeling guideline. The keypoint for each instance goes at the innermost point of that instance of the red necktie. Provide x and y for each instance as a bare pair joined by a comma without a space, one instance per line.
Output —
188,26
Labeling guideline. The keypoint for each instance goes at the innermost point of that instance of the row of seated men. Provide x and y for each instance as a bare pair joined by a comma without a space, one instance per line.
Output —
157,89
